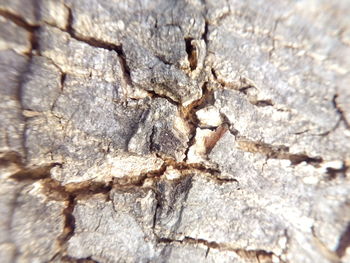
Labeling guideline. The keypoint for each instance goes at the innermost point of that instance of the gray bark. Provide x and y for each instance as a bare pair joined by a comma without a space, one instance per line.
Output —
174,131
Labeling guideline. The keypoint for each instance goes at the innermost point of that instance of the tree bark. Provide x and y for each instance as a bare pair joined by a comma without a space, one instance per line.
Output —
174,131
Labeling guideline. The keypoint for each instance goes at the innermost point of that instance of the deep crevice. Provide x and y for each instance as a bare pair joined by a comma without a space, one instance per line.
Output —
69,25
185,167
11,157
111,47
128,182
192,55
221,180
69,222
34,173
158,206
21,22
334,172
277,152
299,158
344,242
86,189
205,32
100,44
262,103
153,147
62,80
243,88
18,20
189,114
154,94
258,254
69,259
70,193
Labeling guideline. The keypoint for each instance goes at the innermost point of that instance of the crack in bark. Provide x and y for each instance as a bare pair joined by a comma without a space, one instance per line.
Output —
341,119
69,259
277,152
34,173
139,180
62,81
30,173
205,32
188,169
340,112
69,224
344,242
99,44
158,198
188,113
258,254
269,150
18,20
243,87
155,94
21,22
192,53
10,157
262,103
57,191
68,193
184,166
71,192
335,172
153,147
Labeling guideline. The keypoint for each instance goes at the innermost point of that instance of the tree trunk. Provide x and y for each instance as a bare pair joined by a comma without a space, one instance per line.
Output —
174,131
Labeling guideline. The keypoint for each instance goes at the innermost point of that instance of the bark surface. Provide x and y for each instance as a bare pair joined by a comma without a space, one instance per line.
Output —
175,131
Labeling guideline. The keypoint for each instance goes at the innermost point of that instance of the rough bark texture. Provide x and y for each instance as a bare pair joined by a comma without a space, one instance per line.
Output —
174,131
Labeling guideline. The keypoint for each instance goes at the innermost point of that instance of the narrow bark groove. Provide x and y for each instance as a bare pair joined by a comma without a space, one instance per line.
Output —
245,253
278,152
340,112
18,20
